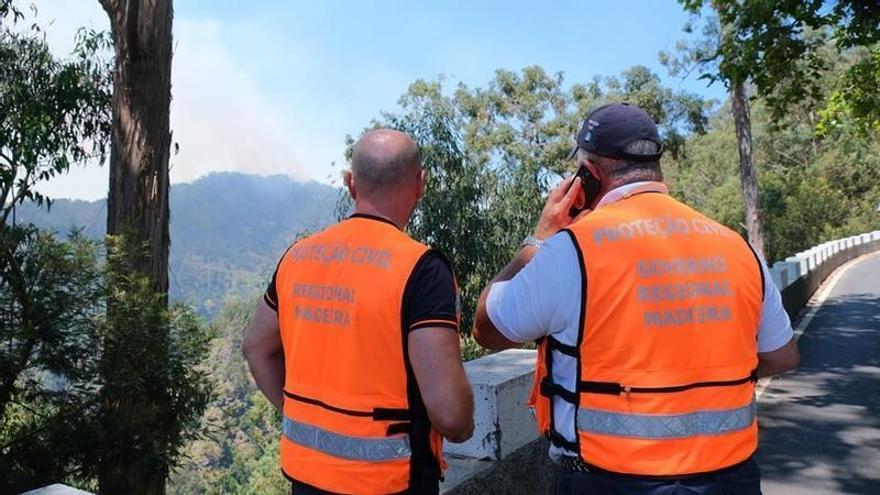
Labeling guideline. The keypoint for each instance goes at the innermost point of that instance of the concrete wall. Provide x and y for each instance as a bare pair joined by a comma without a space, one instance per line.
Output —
57,489
502,422
525,471
506,454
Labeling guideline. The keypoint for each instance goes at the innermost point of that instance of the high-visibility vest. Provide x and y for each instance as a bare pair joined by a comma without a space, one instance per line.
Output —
667,349
354,421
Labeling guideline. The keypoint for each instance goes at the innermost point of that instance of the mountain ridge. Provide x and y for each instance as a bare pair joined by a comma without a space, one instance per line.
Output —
228,230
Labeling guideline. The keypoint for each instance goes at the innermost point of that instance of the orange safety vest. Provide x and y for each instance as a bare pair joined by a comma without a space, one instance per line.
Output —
667,349
353,421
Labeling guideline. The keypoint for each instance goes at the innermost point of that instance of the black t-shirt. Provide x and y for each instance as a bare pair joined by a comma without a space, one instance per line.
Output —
430,298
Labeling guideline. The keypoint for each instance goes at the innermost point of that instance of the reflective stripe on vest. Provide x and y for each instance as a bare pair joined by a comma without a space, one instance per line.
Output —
660,426
353,448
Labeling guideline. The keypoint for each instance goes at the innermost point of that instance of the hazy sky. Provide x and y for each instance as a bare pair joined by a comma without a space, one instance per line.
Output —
274,86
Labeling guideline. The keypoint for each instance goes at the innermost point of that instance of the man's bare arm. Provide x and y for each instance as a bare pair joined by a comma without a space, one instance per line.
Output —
264,353
784,359
484,331
435,354
554,217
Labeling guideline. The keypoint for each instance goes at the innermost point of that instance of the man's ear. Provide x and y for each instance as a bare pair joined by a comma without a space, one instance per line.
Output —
596,171
348,178
580,202
423,180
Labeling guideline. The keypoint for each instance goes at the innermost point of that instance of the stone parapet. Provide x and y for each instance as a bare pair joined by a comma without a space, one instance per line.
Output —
502,422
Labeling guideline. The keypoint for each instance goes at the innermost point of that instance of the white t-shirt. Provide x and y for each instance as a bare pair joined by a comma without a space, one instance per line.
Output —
544,298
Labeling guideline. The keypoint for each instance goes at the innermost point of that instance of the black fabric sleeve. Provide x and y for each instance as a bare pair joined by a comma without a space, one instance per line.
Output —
271,294
431,296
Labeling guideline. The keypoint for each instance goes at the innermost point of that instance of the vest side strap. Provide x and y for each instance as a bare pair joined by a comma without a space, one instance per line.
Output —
568,350
559,441
378,413
550,389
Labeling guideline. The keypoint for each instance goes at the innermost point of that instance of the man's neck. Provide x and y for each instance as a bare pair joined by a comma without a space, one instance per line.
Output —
616,184
365,208
627,188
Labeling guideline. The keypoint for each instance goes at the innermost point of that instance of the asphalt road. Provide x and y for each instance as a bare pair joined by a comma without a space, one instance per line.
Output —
820,425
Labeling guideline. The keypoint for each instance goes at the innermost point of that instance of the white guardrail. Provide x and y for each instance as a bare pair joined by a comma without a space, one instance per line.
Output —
798,276
784,273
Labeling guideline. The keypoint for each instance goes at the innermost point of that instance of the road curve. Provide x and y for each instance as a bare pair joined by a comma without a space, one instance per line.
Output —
820,425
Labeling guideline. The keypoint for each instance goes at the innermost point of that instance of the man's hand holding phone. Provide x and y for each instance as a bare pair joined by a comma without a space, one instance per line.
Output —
568,195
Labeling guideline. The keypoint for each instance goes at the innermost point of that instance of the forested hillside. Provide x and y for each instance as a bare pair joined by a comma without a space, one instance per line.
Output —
237,451
227,230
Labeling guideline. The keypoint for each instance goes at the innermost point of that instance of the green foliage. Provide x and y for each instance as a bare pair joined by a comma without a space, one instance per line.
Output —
854,100
470,349
157,389
779,46
60,417
48,360
238,450
53,113
812,188
94,368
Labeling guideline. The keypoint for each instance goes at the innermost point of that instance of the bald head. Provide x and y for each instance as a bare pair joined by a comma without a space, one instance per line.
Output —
383,160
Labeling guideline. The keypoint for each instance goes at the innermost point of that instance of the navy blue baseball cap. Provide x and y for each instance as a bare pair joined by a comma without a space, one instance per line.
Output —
609,129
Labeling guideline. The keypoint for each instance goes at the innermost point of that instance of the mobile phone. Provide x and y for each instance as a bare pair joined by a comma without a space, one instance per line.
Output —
591,186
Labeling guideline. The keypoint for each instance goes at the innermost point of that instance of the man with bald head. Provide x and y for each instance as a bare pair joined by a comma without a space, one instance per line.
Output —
356,341
385,161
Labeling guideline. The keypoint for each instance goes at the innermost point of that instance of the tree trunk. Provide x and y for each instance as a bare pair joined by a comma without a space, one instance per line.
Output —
748,178
133,460
141,142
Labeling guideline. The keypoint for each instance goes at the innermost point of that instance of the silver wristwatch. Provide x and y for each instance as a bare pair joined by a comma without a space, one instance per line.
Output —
531,240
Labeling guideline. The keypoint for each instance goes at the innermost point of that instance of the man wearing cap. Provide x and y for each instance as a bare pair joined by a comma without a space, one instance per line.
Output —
653,323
